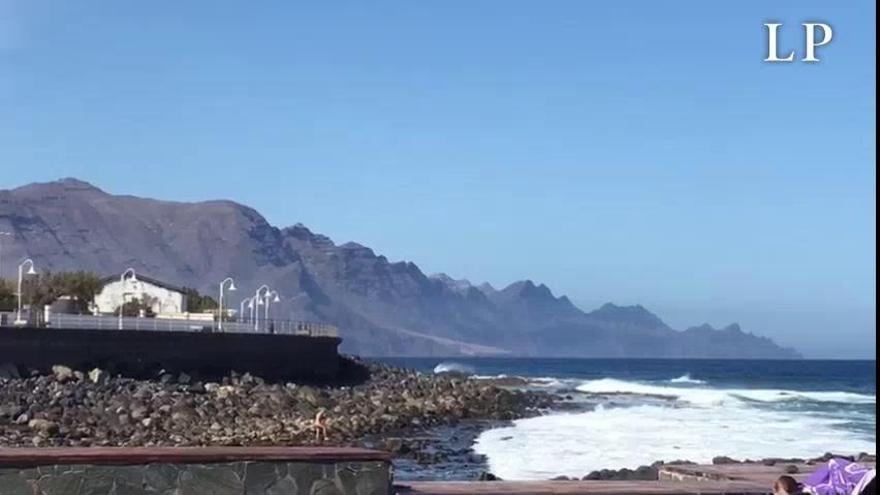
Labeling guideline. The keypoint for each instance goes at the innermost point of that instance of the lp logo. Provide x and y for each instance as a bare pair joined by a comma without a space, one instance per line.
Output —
811,41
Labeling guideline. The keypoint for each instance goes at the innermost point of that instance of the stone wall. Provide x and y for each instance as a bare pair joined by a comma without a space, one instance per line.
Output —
236,478
144,352
194,471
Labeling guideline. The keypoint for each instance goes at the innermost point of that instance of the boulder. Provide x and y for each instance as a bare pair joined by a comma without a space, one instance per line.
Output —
98,376
139,411
646,473
62,373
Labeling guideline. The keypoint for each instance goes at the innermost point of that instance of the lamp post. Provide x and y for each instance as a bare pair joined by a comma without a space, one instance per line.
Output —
122,288
220,305
249,302
252,306
30,263
252,303
257,301
274,298
8,234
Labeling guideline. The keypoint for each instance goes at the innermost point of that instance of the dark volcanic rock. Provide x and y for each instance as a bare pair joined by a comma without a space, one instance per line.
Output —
644,473
384,308
828,456
57,410
506,381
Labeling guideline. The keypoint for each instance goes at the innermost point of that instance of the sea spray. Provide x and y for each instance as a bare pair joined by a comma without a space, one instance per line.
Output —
686,378
453,367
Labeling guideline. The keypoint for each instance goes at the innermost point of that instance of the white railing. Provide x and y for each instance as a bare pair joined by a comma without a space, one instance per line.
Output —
107,322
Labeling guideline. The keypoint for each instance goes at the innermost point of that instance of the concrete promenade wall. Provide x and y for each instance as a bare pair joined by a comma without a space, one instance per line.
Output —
144,352
195,471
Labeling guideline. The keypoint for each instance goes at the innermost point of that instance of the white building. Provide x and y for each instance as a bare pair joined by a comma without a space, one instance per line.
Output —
164,299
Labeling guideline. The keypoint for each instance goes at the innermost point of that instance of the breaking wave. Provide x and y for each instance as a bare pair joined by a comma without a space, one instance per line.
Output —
453,367
719,396
686,378
695,422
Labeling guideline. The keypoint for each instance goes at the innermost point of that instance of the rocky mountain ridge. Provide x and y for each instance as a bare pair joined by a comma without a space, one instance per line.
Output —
383,307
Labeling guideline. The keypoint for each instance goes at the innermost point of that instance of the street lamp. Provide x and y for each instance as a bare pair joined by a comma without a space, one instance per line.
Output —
122,288
8,234
220,309
257,301
250,303
275,299
30,263
252,306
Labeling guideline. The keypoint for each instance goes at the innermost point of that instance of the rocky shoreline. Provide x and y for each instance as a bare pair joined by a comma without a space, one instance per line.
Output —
91,408
651,473
427,421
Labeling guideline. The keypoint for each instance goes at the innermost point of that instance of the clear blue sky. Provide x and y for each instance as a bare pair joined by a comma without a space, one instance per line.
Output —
635,152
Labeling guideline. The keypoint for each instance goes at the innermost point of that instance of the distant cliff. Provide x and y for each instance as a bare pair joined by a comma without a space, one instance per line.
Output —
383,307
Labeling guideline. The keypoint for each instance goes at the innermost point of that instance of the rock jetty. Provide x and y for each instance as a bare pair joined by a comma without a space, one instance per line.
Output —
92,408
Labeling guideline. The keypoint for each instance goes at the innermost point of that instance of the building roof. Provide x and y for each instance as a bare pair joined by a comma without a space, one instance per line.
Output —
144,278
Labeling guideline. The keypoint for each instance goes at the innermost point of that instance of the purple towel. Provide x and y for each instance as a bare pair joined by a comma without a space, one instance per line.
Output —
838,477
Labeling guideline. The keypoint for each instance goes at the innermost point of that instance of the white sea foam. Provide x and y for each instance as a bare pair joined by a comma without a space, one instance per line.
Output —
719,396
453,367
575,444
686,378
697,424
546,382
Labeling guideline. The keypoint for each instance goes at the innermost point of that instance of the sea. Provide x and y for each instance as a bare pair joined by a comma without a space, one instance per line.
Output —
625,413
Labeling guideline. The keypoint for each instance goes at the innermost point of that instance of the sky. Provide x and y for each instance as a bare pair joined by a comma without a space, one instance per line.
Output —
638,152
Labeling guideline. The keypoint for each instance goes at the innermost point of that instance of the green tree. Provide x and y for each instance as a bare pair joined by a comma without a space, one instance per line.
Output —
135,306
7,296
197,303
83,286
46,287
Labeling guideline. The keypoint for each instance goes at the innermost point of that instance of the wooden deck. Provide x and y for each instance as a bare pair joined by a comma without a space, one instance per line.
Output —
745,479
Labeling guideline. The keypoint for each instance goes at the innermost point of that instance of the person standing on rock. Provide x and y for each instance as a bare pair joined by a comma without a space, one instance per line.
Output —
320,426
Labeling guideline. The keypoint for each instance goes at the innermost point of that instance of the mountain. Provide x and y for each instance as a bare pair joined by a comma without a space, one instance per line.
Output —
382,307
